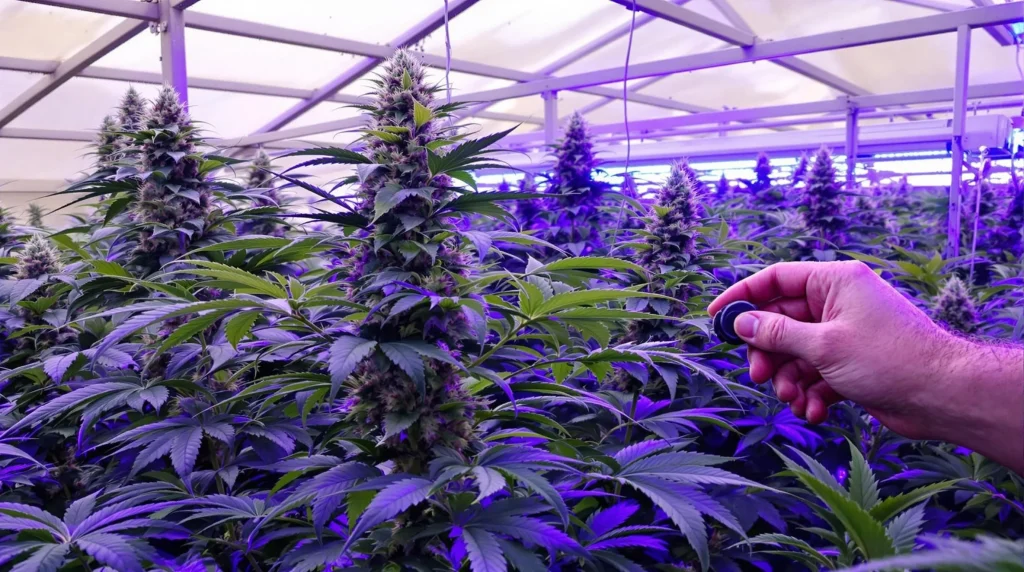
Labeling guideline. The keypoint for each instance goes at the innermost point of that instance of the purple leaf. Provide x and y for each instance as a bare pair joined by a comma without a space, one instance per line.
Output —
346,353
645,542
484,552
79,511
57,366
604,521
389,503
111,550
667,497
408,359
186,449
46,558
640,450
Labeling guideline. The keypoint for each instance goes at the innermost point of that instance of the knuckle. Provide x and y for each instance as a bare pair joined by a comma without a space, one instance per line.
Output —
857,268
774,332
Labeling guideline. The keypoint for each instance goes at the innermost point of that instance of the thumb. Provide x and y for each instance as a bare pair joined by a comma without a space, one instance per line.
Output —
777,333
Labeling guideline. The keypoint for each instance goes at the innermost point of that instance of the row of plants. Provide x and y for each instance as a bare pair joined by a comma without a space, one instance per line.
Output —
416,374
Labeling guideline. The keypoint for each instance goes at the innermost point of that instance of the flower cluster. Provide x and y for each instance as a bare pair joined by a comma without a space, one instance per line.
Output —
38,259
173,202
671,227
107,142
574,158
955,308
822,199
402,198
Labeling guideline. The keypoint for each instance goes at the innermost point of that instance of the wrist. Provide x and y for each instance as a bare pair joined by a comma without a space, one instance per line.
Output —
974,398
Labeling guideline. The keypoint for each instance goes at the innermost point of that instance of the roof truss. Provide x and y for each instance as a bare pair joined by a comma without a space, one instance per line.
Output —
748,48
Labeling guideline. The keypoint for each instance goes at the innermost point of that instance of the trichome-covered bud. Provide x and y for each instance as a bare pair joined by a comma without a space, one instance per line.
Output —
673,223
38,258
107,142
822,200
954,307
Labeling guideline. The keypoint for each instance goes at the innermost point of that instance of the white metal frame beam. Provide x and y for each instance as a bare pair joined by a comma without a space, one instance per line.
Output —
878,33
255,30
690,19
1000,34
738,34
172,47
134,76
85,57
994,96
67,69
411,36
839,105
579,53
961,91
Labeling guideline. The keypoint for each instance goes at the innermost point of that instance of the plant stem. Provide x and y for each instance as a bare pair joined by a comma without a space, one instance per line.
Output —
629,430
632,416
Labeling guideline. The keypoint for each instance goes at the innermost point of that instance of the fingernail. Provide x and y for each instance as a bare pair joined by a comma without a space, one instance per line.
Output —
746,325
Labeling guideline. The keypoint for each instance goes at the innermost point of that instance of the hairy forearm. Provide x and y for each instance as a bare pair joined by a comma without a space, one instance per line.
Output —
978,400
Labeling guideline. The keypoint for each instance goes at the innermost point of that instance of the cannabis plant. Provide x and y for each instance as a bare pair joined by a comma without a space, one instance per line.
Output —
822,202
577,216
35,216
859,525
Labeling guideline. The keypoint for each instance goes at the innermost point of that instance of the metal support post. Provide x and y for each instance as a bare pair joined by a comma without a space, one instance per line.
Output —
172,48
550,116
963,60
852,115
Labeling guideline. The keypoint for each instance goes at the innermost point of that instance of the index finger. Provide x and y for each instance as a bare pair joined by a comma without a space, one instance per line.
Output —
782,280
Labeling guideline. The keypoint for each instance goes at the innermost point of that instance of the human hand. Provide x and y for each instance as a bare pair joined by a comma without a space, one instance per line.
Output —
826,331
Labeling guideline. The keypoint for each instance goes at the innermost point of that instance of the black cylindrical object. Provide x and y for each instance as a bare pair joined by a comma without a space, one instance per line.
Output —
725,321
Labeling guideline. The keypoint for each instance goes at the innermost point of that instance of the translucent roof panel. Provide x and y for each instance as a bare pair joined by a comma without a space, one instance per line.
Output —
81,104
525,34
923,63
47,33
523,37
12,84
377,22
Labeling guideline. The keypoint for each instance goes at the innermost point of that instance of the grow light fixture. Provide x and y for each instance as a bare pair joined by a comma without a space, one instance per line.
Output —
927,136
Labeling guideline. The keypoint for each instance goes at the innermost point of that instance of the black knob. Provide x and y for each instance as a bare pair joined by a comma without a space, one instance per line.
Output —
725,321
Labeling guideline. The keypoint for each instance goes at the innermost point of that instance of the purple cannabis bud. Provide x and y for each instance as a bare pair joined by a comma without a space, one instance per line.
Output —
954,307
800,171
763,173
763,193
871,213
404,202
671,227
397,142
177,198
38,258
131,114
131,118
723,188
167,111
574,156
576,220
259,171
264,194
107,142
822,199
35,215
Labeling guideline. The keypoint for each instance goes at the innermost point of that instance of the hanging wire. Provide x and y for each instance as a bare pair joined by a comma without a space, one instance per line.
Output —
626,179
447,56
625,87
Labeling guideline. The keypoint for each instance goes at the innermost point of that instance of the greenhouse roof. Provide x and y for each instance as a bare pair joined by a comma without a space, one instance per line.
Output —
269,72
